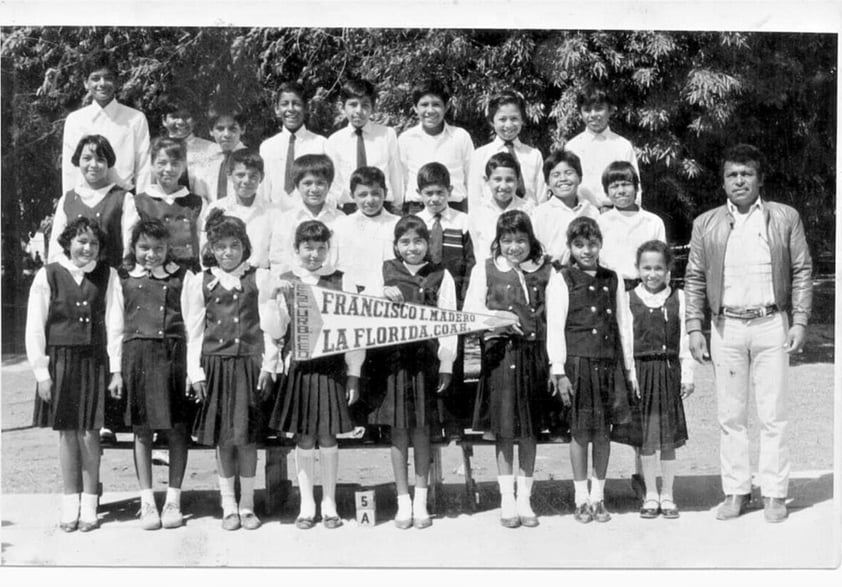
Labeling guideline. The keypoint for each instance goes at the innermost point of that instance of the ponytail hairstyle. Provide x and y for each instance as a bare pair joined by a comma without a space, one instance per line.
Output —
219,226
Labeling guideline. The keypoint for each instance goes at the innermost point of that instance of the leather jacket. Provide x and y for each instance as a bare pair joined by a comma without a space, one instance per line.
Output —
791,263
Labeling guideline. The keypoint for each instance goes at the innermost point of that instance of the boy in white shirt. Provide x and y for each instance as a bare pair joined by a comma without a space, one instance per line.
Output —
434,140
179,123
280,151
363,143
213,180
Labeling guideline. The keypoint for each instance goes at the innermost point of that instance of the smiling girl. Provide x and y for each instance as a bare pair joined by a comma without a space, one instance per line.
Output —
511,395
66,341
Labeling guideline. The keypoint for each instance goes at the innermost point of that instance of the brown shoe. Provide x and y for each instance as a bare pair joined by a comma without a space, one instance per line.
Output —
732,507
774,509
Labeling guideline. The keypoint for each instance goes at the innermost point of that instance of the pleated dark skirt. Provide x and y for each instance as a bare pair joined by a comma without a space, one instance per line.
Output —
80,383
233,412
658,420
312,399
154,376
407,380
598,385
512,399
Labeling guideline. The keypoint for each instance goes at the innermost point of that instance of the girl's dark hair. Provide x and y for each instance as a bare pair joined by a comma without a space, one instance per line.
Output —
174,148
312,230
502,160
556,157
78,226
513,221
583,227
406,224
151,227
102,148
655,246
220,226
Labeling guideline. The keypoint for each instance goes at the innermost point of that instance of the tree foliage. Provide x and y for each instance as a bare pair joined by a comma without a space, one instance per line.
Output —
682,97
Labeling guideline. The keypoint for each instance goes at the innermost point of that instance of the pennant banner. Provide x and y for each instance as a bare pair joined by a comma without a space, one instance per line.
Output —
326,322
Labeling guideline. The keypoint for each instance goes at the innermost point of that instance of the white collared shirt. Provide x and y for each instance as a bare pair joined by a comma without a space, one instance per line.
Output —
271,322
596,151
657,300
747,281
363,243
450,219
531,168
381,151
38,311
199,154
206,174
482,224
452,148
90,197
622,234
274,153
475,301
258,227
550,221
127,131
283,225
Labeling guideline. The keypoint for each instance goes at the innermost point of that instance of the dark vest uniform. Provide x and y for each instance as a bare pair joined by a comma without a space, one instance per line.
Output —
108,213
153,306
77,312
421,288
181,219
657,331
505,292
232,321
591,329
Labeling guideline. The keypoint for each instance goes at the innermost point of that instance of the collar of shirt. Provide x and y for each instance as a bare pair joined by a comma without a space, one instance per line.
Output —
159,272
285,132
412,267
110,109
557,203
352,130
500,144
155,191
599,136
327,213
528,266
228,279
312,277
418,130
231,204
88,193
652,300
446,215
489,204
76,272
383,218
758,205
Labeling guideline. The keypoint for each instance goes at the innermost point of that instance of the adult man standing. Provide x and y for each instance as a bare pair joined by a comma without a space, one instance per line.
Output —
750,262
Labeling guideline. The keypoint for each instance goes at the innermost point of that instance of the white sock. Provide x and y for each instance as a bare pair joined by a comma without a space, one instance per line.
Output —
174,496
329,459
597,490
69,508
226,494
508,508
247,494
667,478
87,507
419,504
147,496
581,492
305,462
404,507
524,492
650,476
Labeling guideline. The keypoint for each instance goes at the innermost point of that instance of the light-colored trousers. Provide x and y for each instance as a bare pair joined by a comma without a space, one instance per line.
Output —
750,354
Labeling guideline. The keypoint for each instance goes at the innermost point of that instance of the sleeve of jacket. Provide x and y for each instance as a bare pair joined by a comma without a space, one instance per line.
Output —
695,279
802,274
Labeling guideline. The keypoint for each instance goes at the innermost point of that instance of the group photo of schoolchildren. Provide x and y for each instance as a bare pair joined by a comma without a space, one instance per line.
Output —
163,304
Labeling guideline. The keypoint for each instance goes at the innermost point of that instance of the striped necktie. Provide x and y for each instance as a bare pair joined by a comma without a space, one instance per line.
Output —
289,184
521,187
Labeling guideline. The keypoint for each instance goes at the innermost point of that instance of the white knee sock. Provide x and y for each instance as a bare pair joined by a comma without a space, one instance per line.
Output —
524,493
329,458
668,477
87,507
147,496
419,504
404,507
69,508
246,495
305,462
581,492
227,497
650,475
508,508
173,496
597,490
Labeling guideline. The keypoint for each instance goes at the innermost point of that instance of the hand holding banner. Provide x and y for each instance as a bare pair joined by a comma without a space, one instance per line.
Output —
326,322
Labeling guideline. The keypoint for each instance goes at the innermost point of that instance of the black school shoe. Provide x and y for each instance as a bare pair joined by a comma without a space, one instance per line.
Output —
583,513
599,513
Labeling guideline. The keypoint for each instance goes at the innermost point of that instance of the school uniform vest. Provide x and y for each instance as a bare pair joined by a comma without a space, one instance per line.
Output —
77,312
152,307
232,321
657,331
181,219
108,213
421,288
591,330
505,292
